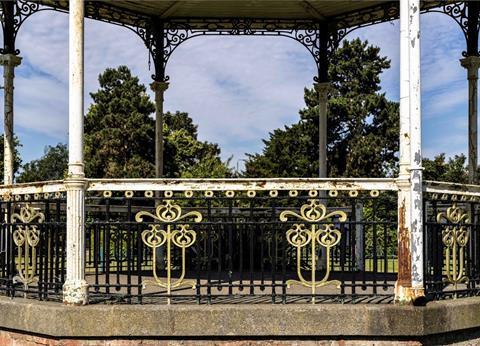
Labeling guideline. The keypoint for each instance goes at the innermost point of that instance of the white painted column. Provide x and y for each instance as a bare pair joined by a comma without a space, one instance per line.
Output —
416,191
322,90
75,289
409,286
159,89
471,64
9,62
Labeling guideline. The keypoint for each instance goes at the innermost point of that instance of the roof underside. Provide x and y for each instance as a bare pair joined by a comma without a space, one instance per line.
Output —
265,9
344,13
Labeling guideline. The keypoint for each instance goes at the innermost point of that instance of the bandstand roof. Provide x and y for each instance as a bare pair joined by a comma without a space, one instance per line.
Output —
267,9
348,12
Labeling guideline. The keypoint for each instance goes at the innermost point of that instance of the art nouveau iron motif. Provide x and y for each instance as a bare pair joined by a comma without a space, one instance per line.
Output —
166,231
301,235
455,237
26,237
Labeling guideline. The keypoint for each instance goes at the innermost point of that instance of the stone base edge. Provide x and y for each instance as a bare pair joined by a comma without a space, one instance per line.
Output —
239,321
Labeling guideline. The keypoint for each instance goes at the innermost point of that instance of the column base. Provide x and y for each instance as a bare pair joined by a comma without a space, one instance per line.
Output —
409,295
75,292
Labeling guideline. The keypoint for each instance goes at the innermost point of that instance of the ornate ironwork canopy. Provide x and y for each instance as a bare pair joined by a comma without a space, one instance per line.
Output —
319,25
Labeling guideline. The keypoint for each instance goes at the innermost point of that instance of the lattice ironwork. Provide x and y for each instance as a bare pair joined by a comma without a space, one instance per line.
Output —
13,14
466,14
162,37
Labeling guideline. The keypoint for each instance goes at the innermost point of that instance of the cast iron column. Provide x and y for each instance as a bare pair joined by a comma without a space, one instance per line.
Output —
9,60
75,289
159,89
159,86
322,87
409,287
472,62
322,90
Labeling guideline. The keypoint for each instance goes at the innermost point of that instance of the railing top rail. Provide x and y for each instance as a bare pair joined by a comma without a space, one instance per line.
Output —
33,188
440,187
234,184
242,184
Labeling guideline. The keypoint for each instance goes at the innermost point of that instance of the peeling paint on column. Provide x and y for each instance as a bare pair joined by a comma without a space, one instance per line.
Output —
416,193
410,220
404,263
9,62
472,64
75,288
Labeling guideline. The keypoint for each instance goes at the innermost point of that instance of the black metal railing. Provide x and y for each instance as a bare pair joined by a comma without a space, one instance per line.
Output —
241,246
451,245
32,246
206,245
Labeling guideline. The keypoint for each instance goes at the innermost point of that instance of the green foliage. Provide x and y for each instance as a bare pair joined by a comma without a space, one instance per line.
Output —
185,155
119,132
120,135
17,160
52,165
454,170
362,124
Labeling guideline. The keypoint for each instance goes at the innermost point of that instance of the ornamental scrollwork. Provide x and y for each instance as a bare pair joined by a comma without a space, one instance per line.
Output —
164,231
459,12
325,234
14,13
455,237
26,238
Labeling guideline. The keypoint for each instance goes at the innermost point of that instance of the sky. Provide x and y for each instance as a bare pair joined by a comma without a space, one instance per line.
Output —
236,89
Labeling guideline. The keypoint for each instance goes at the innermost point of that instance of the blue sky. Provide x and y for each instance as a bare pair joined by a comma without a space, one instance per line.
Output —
237,89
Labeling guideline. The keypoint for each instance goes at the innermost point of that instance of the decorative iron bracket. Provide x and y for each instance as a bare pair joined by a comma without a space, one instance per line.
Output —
13,14
162,37
466,14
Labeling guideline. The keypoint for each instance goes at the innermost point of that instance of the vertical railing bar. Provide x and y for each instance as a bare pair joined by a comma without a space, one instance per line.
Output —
106,249
129,259
139,262
48,232
230,246
59,241
11,249
251,234
209,259
374,241
273,255
353,268
96,253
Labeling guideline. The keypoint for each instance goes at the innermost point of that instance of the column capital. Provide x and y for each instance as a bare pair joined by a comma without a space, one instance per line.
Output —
10,60
472,64
323,89
470,61
159,86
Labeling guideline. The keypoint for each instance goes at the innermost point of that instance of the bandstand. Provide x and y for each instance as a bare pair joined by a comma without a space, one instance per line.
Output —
155,241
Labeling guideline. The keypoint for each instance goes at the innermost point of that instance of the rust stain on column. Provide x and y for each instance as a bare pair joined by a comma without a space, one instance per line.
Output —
404,257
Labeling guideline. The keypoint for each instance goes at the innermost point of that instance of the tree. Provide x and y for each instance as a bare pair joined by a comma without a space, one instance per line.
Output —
17,162
185,155
363,125
120,135
52,165
454,170
119,131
